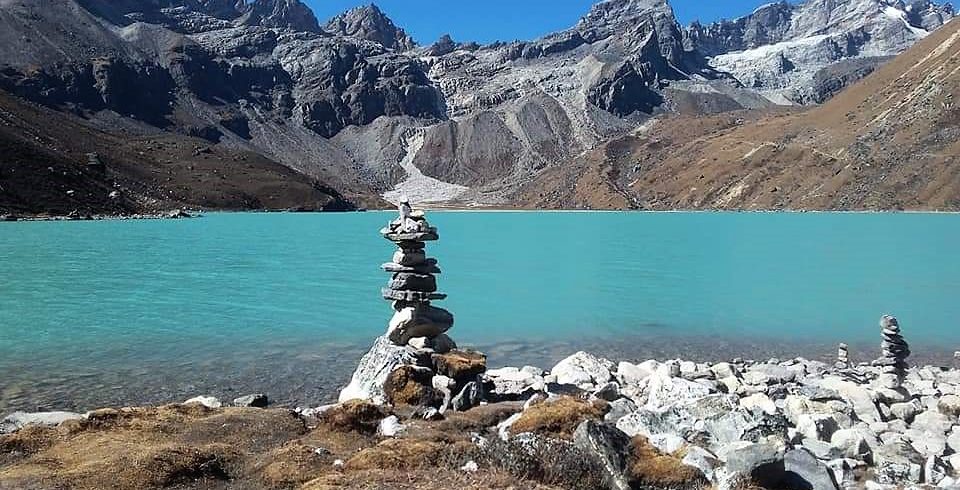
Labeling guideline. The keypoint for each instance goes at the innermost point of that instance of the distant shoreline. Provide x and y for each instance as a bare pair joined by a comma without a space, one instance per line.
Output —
8,218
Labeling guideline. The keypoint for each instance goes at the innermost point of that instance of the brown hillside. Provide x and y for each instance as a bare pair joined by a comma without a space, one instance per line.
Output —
45,169
891,141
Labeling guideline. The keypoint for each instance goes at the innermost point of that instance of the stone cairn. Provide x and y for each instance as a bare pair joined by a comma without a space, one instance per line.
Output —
843,357
414,283
893,361
415,362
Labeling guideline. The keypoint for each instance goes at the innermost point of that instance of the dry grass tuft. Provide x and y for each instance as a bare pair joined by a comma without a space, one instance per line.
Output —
649,467
559,417
354,416
397,454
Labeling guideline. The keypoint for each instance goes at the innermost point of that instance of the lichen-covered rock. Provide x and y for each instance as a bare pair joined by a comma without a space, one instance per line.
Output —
608,446
410,385
376,365
460,365
897,463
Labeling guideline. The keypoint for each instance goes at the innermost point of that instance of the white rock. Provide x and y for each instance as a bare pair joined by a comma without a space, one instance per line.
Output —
207,401
667,443
702,460
759,401
732,384
664,391
390,427
513,382
582,369
953,440
18,420
856,395
470,467
725,370
503,428
950,406
857,444
634,374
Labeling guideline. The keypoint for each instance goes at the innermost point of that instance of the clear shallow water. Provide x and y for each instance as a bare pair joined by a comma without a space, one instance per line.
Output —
113,312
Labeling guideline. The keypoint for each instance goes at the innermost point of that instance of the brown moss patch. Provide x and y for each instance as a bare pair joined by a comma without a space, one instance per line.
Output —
460,365
649,467
408,385
479,418
354,416
432,478
397,454
559,417
293,465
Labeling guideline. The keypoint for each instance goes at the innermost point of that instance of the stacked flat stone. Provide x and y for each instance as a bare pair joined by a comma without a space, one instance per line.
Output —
413,285
843,357
893,361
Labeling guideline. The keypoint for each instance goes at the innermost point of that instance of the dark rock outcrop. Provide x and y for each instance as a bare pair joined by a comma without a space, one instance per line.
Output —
369,23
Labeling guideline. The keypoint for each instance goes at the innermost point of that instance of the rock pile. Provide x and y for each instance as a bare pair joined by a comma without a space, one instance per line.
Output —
893,362
415,362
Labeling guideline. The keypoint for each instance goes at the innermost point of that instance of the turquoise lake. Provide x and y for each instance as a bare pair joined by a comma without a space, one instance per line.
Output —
115,312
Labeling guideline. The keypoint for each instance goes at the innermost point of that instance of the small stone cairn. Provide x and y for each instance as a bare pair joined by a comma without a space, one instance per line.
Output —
843,357
893,362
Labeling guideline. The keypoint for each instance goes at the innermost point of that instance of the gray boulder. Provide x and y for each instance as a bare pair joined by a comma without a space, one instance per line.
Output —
257,400
374,368
619,409
897,463
804,471
470,396
207,401
608,446
18,420
761,463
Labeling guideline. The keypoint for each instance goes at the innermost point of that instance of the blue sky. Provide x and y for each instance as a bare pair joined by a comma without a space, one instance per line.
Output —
491,20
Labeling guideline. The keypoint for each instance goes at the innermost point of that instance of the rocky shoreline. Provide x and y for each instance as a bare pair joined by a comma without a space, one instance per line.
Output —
791,423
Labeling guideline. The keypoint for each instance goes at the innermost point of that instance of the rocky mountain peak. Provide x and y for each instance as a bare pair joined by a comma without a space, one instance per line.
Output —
368,22
291,14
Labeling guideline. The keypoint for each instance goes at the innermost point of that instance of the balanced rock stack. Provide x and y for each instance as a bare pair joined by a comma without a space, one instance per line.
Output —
893,362
414,282
843,357
415,362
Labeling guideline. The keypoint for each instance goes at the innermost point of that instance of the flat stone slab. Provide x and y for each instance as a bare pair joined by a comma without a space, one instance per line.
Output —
416,296
421,236
429,267
406,281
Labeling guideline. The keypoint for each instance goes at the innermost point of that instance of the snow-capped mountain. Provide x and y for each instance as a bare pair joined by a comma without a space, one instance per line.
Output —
780,48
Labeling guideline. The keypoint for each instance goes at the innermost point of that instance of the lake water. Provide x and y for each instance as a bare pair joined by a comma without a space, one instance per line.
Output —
115,312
